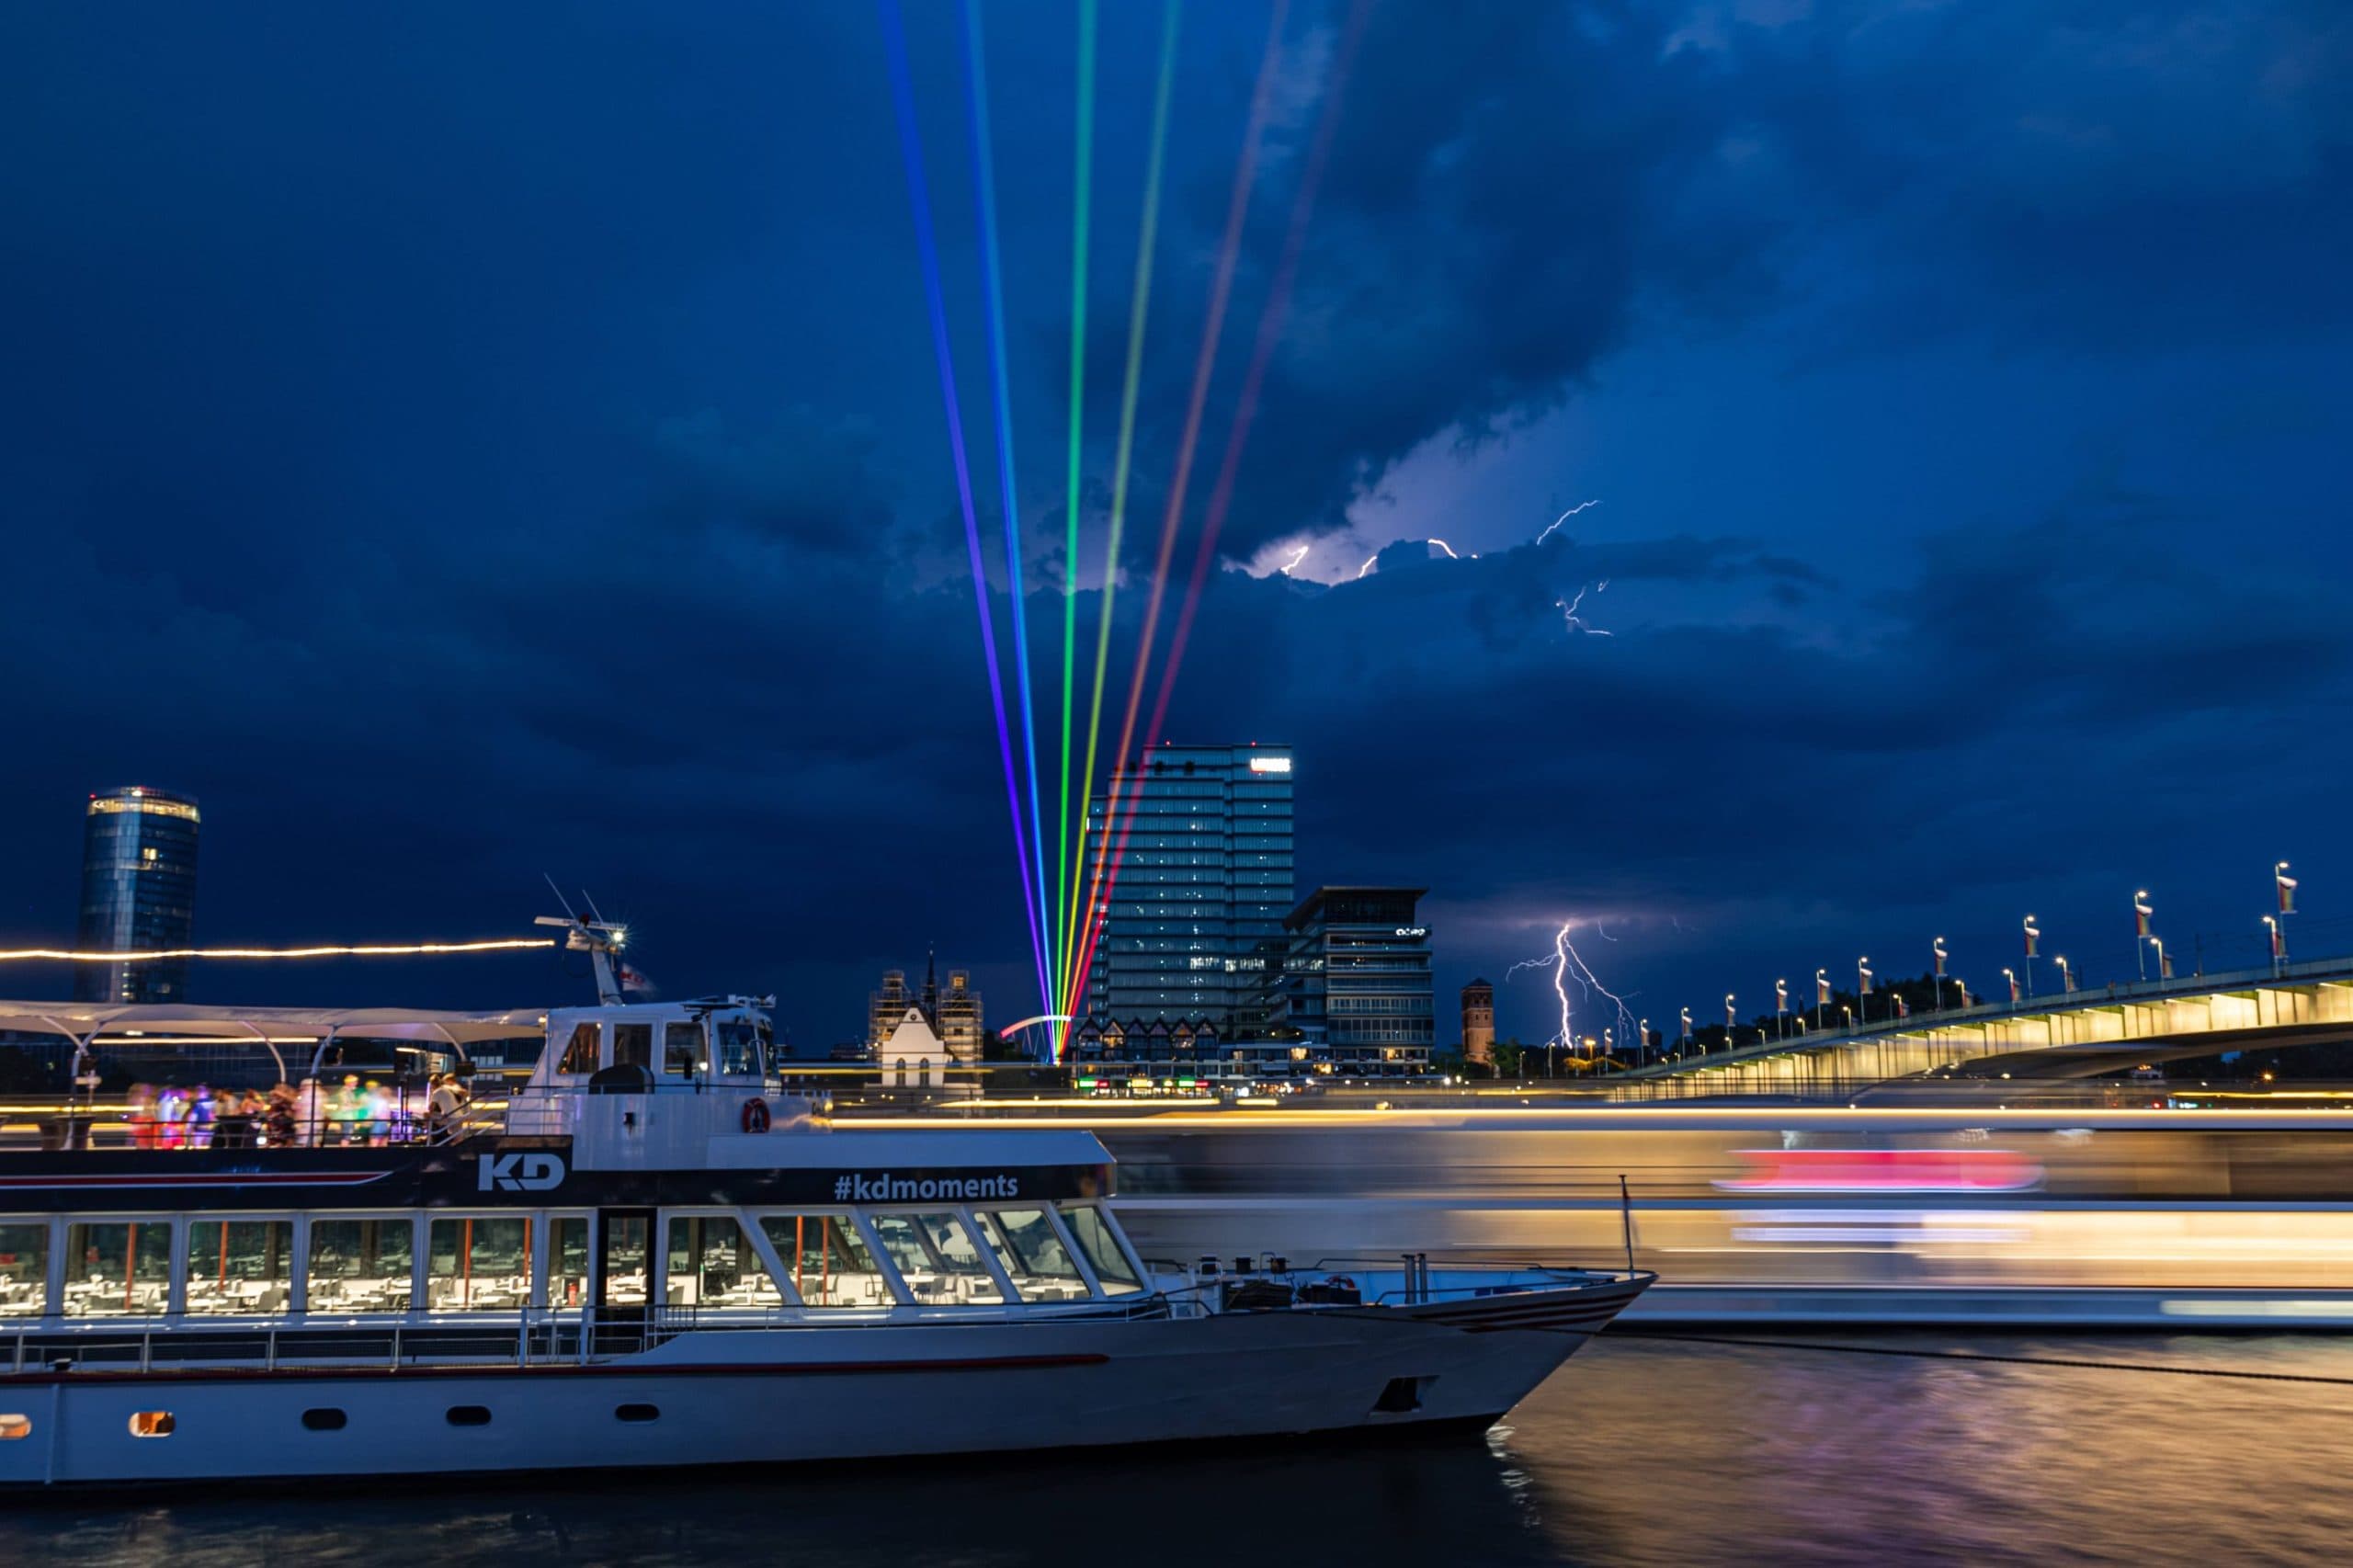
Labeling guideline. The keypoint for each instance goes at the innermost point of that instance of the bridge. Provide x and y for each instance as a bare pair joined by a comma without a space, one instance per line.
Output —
2072,1034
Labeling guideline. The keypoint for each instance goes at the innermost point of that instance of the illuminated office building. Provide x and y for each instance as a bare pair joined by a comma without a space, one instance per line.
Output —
138,893
1204,841
1356,980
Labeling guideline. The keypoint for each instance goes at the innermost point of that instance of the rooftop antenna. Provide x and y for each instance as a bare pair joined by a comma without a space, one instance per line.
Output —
599,937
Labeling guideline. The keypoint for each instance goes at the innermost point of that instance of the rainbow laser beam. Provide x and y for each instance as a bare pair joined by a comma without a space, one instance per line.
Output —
976,105
408,949
1083,179
1269,333
902,102
1221,291
1139,305
1271,316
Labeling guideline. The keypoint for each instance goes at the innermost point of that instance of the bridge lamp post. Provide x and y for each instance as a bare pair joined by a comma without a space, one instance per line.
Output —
1732,1041
2033,937
1642,1039
2066,971
1821,998
2279,936
1937,951
2012,976
2142,915
1849,1015
1686,1031
1781,1008
1863,987
2165,964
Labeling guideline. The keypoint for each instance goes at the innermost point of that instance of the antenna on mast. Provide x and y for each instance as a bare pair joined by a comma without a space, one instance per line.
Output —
599,937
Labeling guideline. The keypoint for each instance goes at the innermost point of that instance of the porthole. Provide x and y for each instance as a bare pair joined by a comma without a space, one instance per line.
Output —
637,1412
15,1427
470,1415
152,1424
325,1419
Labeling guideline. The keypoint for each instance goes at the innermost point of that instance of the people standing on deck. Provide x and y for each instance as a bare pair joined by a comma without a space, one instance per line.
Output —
376,1111
281,1121
345,1108
199,1118
445,1107
140,1115
171,1116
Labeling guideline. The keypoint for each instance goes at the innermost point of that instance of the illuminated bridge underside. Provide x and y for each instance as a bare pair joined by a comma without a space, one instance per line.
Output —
2077,1035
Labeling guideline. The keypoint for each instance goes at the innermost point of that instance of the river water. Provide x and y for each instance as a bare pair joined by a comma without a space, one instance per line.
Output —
1638,1451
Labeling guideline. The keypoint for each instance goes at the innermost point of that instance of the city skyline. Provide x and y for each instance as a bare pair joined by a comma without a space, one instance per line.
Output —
1965,554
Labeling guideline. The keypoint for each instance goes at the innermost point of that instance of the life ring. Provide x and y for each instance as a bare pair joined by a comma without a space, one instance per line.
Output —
755,1114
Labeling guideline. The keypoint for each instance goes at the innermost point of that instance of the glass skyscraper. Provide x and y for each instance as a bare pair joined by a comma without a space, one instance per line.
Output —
1198,900
1356,980
138,893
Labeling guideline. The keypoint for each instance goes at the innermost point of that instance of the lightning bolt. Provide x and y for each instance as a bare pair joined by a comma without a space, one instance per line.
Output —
1564,517
1367,565
1569,966
1568,608
1286,568
1445,547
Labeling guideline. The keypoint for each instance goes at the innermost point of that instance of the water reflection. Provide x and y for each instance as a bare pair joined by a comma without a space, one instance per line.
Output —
1639,1452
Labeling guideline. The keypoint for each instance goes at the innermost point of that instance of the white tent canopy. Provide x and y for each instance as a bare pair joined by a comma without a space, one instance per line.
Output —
90,1024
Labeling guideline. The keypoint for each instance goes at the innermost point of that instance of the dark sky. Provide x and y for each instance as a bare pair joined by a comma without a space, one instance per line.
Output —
461,442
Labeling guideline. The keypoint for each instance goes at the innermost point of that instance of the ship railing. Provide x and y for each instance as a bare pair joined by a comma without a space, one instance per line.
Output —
535,1337
1418,1281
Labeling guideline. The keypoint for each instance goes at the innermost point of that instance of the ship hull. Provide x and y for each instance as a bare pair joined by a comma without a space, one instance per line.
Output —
784,1396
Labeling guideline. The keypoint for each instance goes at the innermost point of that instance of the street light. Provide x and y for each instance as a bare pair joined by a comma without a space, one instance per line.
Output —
1643,1039
1936,950
2012,976
1686,1031
2033,936
1863,986
1781,1008
2279,942
1731,1041
2066,973
2142,915
2165,964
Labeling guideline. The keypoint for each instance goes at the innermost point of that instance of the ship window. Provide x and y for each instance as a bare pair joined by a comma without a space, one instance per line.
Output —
360,1266
1031,1252
240,1265
14,1427
712,1264
24,1268
152,1424
623,1269
118,1270
937,1258
829,1264
580,1052
325,1419
469,1416
682,1050
478,1265
633,1046
739,1047
636,1413
1093,1235
568,1262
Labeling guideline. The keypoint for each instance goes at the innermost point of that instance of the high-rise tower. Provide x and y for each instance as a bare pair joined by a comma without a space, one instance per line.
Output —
138,893
1203,883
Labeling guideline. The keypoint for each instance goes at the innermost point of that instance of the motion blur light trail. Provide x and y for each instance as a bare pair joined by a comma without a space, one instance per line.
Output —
976,105
902,99
1083,179
1139,304
411,949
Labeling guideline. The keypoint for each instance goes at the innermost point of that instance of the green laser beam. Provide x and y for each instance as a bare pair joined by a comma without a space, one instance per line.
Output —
1083,180
1138,308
